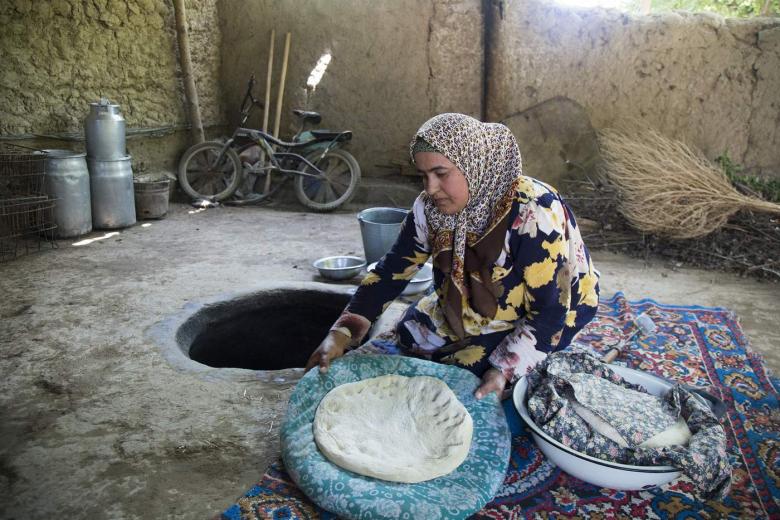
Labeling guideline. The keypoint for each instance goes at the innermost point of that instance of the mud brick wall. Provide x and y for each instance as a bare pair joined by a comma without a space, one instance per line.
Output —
394,65
60,55
711,81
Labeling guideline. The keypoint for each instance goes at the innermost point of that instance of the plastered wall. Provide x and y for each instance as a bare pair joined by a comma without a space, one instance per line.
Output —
60,55
394,65
712,81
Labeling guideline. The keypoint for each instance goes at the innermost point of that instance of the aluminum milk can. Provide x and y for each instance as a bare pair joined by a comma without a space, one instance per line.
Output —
104,130
67,181
113,203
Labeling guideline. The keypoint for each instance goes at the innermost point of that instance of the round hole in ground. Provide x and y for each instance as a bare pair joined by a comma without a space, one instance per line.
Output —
268,330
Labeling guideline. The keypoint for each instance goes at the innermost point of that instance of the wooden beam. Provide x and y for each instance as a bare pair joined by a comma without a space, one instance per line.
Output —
191,93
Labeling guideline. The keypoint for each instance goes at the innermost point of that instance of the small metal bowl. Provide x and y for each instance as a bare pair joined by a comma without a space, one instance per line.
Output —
339,267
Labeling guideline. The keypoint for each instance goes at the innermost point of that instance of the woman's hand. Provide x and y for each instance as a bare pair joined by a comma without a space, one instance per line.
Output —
332,347
492,381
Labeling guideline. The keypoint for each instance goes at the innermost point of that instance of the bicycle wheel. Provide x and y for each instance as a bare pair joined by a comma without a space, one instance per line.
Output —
201,178
257,186
335,187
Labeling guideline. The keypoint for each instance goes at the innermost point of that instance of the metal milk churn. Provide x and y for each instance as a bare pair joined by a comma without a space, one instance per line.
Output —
67,181
110,174
113,202
104,130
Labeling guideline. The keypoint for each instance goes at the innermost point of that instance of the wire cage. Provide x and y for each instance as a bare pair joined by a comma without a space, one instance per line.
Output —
26,212
22,171
26,226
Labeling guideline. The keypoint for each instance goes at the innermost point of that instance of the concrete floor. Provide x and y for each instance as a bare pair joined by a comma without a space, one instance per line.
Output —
95,423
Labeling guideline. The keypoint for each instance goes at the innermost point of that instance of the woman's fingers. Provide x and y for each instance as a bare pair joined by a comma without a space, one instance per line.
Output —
314,359
330,348
485,388
492,381
320,357
325,361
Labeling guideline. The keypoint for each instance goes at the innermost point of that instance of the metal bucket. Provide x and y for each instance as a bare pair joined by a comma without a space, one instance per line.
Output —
104,130
151,198
379,228
111,185
67,181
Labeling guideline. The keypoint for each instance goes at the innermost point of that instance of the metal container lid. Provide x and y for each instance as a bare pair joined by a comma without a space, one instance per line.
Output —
115,159
104,106
55,153
104,102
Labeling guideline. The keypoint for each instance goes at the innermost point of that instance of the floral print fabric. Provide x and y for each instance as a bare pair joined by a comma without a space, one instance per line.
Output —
546,286
489,158
456,495
570,379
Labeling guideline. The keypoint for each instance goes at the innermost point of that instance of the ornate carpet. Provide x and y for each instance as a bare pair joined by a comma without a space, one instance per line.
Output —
699,346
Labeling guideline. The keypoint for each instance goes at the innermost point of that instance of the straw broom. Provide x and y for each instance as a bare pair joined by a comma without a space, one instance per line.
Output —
668,188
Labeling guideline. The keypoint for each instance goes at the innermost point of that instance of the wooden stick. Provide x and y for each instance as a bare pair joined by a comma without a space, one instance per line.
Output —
279,98
267,104
280,95
193,107
610,356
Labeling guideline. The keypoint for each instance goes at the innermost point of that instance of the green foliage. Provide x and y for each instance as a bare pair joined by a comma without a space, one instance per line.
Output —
728,8
729,167
769,189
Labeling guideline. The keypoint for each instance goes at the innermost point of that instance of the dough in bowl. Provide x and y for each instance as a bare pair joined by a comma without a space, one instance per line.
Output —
392,427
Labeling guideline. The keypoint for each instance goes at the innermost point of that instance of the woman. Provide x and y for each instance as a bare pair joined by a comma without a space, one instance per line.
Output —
513,280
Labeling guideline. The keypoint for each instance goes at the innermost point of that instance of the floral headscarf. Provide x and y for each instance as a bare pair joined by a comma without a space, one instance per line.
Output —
488,156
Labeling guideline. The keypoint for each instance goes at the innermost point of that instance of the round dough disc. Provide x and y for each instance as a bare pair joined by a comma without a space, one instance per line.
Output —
396,428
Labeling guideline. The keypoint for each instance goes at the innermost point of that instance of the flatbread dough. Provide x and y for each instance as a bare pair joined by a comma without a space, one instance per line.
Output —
396,428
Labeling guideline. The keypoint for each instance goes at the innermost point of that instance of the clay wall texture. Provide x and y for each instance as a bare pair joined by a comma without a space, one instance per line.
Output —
394,65
711,81
60,55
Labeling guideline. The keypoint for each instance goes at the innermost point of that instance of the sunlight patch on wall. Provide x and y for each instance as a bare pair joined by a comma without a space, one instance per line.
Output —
318,71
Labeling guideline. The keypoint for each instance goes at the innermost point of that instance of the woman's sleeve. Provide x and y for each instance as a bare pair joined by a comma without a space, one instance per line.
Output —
536,241
390,276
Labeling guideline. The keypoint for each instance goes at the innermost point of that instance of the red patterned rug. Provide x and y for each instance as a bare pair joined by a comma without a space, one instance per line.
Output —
699,346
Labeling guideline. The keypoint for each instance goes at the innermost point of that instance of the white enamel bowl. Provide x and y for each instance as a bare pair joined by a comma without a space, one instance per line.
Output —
591,469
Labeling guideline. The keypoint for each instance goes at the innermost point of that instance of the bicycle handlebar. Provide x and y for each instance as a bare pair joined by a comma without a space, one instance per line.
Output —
249,100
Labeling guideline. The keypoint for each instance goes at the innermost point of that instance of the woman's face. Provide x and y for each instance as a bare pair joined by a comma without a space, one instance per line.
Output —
444,183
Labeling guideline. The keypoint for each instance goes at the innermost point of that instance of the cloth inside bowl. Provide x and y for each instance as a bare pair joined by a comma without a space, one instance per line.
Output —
579,401
630,418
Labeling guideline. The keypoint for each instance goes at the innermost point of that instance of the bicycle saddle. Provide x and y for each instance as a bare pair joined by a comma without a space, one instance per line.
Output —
305,115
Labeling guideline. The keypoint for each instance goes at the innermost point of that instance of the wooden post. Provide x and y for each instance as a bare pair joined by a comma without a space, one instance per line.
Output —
193,107
279,98
267,107
267,104
280,95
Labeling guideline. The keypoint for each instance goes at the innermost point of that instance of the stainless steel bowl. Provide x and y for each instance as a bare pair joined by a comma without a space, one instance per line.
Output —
339,267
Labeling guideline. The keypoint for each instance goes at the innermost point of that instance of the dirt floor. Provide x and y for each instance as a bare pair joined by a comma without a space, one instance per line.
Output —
95,423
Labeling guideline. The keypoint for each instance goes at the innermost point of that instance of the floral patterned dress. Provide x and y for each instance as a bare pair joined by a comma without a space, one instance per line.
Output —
544,281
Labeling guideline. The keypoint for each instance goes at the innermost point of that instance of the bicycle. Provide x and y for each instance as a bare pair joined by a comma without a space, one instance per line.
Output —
326,176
